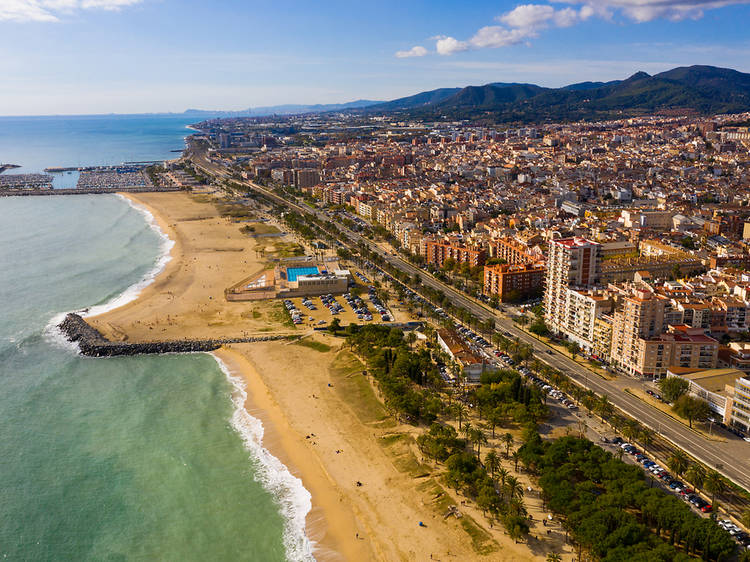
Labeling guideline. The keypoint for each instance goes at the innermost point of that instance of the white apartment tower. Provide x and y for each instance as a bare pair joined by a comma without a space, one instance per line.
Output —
573,263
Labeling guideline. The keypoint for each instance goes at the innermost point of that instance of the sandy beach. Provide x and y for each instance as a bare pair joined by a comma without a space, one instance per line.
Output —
369,485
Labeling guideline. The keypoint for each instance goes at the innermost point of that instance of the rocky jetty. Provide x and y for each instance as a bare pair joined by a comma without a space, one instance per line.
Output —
93,344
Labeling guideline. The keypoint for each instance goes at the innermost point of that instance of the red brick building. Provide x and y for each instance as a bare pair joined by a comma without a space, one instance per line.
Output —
513,282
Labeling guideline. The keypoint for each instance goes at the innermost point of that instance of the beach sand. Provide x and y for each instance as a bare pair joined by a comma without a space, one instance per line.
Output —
331,437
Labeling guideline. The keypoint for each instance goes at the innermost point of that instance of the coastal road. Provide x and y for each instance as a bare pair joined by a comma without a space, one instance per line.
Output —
731,458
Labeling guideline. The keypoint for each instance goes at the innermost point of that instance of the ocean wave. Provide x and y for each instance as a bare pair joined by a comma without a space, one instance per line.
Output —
294,499
52,331
132,292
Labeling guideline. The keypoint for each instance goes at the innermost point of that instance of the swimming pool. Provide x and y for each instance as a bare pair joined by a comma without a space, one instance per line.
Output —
293,272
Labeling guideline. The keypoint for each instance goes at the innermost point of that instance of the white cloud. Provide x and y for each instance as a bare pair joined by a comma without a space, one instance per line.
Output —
450,46
417,51
51,10
494,36
525,21
647,10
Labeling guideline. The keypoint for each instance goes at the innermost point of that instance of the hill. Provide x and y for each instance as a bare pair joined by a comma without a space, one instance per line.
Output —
696,89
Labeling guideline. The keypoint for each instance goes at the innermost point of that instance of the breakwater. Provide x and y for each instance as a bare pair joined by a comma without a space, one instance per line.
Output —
85,191
93,344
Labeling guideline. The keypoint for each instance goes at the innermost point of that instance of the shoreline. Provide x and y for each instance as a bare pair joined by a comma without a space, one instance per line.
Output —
369,486
279,439
331,534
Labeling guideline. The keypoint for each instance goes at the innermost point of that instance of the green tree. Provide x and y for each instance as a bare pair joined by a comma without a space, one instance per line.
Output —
554,557
459,410
714,485
678,462
696,475
691,408
492,462
673,387
508,441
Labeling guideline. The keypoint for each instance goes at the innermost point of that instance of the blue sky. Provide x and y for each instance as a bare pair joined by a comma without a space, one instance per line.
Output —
126,56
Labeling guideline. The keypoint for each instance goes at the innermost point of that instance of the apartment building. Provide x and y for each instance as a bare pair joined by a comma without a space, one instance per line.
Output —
436,251
740,415
681,346
511,251
583,308
572,263
512,283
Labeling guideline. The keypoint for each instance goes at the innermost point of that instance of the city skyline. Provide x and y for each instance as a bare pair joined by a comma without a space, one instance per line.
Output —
142,56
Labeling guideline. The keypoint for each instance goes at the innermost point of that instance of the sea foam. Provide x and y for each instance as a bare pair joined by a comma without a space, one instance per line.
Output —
52,331
293,498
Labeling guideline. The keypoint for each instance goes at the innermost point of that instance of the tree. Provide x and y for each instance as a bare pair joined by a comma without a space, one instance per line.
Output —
691,408
513,487
492,462
516,457
714,485
554,557
746,518
696,475
673,387
508,441
678,462
334,326
459,410
495,417
574,349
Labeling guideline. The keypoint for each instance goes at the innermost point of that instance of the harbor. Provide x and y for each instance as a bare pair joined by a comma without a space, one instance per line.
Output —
132,177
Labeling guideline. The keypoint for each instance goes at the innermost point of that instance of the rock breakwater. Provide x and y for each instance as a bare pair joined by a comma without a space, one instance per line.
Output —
93,344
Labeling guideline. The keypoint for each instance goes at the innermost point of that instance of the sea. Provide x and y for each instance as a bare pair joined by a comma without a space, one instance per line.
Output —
127,458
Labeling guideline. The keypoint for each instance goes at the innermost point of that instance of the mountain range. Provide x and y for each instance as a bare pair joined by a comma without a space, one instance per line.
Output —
288,109
698,89
704,90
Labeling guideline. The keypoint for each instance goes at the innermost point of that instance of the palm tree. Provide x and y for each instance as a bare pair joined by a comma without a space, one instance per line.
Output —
746,518
714,485
495,417
696,474
467,430
554,557
678,462
508,440
516,457
459,410
646,437
502,475
479,438
492,462
513,487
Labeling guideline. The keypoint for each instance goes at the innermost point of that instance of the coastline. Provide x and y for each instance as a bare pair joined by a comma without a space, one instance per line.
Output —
330,524
368,484
327,540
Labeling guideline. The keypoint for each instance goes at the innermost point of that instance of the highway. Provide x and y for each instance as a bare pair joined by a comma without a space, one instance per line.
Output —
731,458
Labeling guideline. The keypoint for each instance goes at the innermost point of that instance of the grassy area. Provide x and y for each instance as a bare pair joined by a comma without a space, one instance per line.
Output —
481,540
316,345
356,390
288,249
279,315
259,228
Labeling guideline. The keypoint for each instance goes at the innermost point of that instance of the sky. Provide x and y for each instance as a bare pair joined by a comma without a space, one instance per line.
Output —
140,56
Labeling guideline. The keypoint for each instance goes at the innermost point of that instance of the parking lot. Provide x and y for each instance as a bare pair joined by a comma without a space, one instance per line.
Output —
348,308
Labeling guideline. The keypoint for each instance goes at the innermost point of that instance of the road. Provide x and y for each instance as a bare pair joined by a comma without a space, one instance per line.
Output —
731,458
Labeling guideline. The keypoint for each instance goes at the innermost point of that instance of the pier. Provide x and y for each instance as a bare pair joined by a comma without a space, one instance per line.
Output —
93,344
86,191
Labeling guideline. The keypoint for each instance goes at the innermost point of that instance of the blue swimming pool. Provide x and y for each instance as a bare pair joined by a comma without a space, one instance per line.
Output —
293,272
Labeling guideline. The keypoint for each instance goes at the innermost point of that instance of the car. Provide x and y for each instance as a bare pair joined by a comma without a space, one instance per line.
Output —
708,508
676,484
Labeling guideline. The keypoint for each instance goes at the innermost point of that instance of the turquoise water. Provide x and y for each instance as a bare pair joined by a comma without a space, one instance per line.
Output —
137,458
293,272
